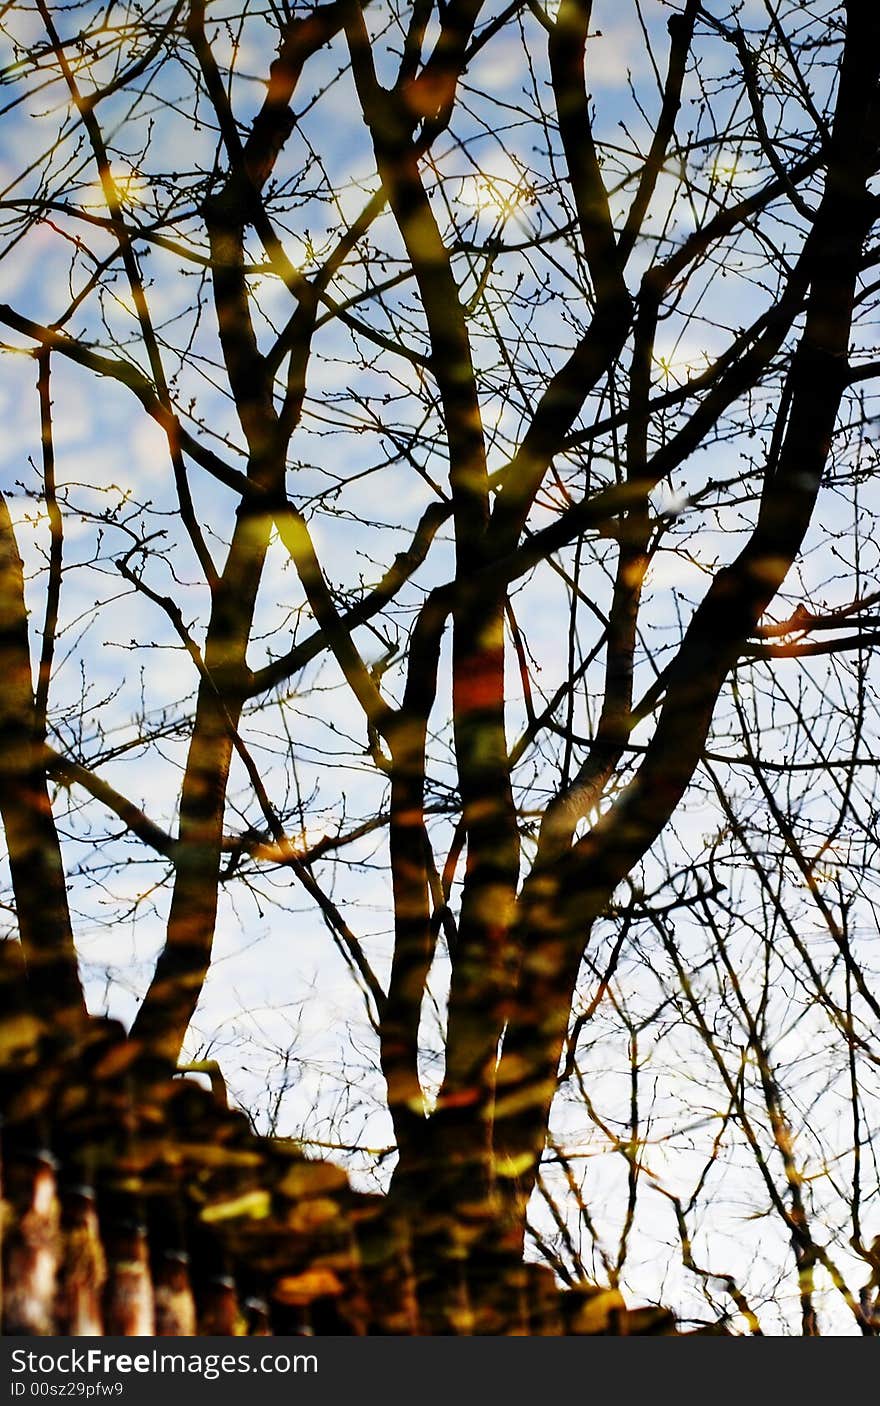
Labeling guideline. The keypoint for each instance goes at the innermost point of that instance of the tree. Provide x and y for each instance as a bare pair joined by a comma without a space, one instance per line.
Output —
605,341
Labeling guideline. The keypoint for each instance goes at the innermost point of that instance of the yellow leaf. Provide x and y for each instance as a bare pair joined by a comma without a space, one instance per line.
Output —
311,1179
256,1205
303,1288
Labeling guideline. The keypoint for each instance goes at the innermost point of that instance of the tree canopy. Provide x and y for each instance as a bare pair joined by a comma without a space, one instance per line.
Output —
438,591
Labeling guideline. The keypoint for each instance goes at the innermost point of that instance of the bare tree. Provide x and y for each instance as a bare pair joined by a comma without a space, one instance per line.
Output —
500,371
